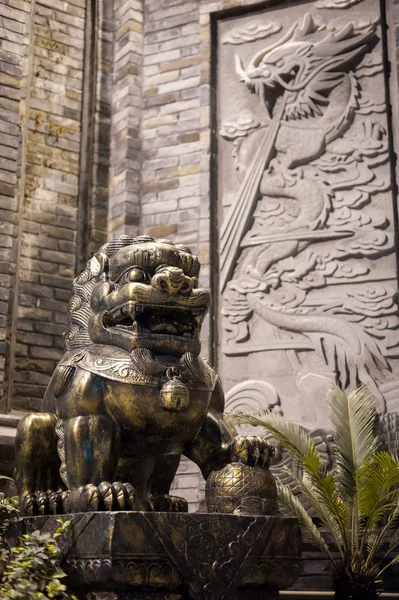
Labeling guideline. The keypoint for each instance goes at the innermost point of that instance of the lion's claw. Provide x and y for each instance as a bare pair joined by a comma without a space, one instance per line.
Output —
252,451
44,503
29,505
166,503
104,497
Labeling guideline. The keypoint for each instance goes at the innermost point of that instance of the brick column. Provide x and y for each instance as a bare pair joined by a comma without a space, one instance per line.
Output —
124,197
95,132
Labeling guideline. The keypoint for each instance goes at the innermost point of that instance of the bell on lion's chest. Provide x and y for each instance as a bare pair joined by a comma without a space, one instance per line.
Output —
174,395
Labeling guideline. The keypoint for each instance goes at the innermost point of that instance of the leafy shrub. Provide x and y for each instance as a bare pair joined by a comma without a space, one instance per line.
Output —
31,570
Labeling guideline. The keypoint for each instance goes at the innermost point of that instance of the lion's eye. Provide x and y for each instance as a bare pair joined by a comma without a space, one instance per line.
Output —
137,275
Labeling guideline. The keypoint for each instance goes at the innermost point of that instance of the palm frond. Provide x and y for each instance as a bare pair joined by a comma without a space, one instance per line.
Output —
326,490
324,508
379,536
358,501
313,463
392,562
377,482
293,437
392,539
354,515
286,496
319,487
353,419
388,535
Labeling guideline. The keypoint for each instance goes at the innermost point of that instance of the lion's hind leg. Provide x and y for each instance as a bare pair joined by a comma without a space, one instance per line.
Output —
38,465
161,480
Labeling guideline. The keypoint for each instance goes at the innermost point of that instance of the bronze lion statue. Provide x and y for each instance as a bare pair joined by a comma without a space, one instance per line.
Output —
131,394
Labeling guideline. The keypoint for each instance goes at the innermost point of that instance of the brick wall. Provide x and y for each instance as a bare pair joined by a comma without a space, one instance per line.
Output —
176,128
173,152
56,64
175,172
14,24
49,183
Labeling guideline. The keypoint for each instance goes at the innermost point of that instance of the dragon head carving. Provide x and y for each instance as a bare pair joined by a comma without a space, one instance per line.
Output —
308,62
139,293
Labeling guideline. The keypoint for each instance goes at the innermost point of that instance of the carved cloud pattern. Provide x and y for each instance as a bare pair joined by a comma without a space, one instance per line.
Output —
251,32
340,4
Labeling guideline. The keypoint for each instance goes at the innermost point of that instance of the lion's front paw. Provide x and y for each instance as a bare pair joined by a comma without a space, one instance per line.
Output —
252,451
105,497
166,503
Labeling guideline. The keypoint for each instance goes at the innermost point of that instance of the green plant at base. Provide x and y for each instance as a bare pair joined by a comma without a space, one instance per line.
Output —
31,570
9,512
357,502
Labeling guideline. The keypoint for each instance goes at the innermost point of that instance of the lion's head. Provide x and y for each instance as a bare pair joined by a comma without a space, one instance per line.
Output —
139,293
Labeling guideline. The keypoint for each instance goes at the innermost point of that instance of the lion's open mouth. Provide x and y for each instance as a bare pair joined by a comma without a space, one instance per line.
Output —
149,320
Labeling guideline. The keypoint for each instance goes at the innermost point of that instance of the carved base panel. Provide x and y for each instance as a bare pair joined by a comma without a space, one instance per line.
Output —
133,555
145,596
132,596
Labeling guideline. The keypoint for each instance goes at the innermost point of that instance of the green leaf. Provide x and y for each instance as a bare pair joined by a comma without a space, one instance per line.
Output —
55,586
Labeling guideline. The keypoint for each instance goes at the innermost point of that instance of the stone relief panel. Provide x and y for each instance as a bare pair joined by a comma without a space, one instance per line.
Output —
308,288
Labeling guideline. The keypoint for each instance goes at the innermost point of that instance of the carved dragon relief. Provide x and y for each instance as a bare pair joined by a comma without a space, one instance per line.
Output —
308,213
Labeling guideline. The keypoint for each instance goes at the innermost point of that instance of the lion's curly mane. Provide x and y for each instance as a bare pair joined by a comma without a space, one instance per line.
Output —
79,311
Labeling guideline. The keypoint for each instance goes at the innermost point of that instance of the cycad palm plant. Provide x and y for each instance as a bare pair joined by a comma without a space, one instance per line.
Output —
356,502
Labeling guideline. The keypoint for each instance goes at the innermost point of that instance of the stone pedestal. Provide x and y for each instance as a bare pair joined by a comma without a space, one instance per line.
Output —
177,556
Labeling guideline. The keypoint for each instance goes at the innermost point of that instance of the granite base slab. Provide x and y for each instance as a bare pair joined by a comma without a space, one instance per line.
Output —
176,556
